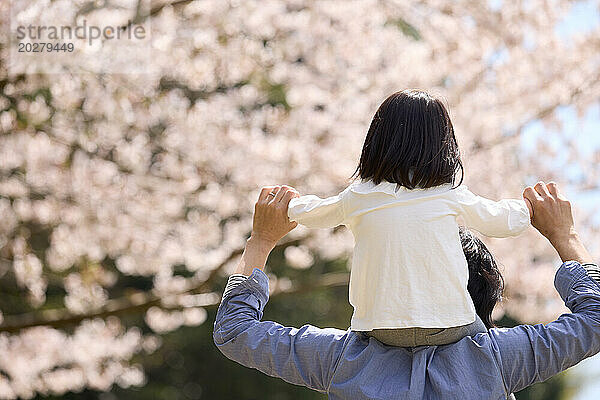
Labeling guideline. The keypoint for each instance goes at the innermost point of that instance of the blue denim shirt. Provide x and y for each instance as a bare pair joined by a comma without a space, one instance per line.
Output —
347,365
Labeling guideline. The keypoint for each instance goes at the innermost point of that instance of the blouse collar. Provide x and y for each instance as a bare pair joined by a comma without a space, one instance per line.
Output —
394,189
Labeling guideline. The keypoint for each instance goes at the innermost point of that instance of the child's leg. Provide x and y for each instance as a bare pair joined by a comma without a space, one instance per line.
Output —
454,334
405,337
412,337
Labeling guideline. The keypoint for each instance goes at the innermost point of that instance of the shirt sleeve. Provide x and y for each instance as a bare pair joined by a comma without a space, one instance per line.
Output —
530,354
593,271
502,218
304,356
234,281
315,212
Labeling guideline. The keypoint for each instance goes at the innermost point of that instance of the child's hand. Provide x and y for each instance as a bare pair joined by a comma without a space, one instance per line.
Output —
529,207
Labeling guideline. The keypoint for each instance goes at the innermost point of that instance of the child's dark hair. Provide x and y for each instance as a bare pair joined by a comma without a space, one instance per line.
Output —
411,142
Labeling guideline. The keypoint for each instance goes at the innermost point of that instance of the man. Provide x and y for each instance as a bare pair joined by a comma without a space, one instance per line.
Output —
347,365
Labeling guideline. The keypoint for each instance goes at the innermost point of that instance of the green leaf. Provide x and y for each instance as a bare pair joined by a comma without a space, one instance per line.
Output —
405,27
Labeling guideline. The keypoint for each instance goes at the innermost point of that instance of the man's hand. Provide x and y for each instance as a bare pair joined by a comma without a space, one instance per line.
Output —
271,221
270,224
553,218
552,214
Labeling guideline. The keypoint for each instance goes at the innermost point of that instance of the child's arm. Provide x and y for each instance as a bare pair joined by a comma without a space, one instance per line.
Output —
493,218
314,212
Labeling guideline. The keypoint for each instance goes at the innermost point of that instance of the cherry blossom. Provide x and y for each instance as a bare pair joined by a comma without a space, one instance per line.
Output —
139,174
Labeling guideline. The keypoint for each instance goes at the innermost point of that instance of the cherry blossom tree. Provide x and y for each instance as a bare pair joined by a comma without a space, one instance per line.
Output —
109,176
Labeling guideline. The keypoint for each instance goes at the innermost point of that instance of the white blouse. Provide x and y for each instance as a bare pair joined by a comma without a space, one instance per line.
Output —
408,267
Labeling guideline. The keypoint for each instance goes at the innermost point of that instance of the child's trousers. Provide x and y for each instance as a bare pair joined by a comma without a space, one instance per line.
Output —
412,337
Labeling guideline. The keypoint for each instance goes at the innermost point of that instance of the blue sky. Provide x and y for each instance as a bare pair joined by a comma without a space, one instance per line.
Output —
582,17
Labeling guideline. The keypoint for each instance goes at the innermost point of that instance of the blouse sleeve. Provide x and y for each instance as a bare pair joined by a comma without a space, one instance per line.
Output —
315,212
502,218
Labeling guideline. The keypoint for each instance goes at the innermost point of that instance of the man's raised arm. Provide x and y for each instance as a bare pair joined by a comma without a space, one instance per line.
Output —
304,356
530,354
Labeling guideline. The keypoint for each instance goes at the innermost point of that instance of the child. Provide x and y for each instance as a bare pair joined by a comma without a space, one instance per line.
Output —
408,283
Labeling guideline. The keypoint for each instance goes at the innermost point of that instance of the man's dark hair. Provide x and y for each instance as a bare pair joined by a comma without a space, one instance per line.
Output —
411,142
486,283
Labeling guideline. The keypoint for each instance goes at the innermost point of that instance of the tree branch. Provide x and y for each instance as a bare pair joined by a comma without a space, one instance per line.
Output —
136,303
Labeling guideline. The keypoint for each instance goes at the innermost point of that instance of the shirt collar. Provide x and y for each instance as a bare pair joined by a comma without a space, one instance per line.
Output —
394,189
